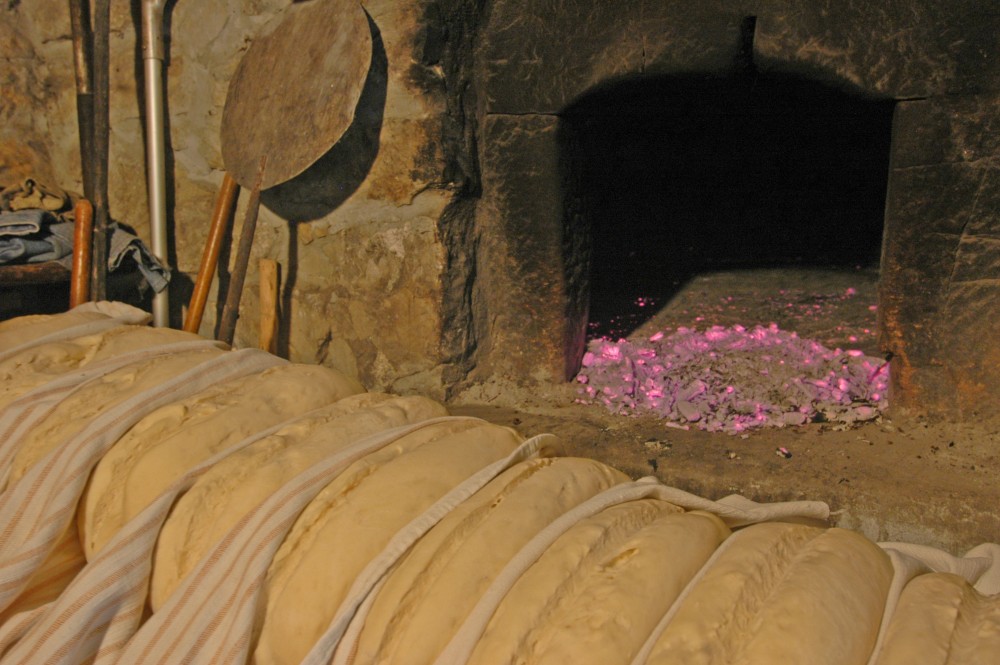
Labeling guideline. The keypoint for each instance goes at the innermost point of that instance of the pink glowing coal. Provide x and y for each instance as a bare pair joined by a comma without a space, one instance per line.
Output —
734,379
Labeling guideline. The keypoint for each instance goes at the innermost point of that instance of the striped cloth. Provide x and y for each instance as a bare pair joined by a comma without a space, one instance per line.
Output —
210,617
30,409
37,509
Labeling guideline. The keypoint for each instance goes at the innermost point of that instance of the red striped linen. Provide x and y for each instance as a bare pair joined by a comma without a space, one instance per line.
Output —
37,509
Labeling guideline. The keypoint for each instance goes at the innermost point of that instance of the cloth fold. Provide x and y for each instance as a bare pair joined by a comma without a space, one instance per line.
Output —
24,222
53,243
30,193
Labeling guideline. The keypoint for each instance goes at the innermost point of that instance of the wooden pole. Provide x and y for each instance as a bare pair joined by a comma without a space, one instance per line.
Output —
231,310
83,43
269,278
83,225
102,26
210,256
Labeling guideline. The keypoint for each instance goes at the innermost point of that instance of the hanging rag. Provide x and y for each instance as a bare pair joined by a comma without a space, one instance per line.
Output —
125,244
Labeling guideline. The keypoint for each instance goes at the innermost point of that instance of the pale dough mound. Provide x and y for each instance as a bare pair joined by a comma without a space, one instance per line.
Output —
40,364
66,420
72,414
598,592
247,477
429,595
170,440
17,331
351,520
942,620
418,537
782,593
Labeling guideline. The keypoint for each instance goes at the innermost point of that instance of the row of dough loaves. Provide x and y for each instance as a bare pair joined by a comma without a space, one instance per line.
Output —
167,499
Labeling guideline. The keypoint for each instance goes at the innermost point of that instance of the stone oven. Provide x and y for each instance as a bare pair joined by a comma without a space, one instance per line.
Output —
507,152
928,70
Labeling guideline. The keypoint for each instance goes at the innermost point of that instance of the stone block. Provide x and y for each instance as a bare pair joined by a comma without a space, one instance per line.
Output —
538,57
683,38
984,220
945,130
977,258
937,198
912,291
900,50
941,262
364,299
23,150
970,327
523,269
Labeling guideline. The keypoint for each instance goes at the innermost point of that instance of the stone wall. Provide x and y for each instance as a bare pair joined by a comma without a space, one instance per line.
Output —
435,251
362,239
940,290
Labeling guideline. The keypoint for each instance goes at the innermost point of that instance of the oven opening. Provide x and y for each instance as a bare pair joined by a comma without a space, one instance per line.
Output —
735,230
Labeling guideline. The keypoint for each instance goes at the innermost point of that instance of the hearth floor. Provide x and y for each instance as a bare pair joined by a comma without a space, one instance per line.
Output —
912,480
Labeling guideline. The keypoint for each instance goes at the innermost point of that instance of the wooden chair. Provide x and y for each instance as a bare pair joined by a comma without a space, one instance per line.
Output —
42,276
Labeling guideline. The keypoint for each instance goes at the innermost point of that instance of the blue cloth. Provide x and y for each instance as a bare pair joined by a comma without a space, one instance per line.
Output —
24,222
34,236
37,236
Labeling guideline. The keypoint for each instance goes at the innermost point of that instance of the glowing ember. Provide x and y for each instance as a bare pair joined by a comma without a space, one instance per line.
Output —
734,379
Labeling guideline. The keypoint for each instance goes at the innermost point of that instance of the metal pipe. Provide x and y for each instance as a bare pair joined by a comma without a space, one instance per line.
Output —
153,56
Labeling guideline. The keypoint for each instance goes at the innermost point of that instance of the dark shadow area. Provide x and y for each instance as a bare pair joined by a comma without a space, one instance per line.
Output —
287,286
330,180
675,176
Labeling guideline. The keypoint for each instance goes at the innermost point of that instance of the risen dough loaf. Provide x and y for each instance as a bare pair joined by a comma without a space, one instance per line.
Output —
40,364
429,595
782,593
351,520
942,620
93,398
245,478
598,592
14,332
176,437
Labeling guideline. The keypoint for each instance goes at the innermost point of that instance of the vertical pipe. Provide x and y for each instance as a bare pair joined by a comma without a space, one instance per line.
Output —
153,55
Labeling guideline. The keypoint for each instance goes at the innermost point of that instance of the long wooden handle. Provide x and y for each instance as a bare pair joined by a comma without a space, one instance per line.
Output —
102,129
231,310
83,229
79,13
210,256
